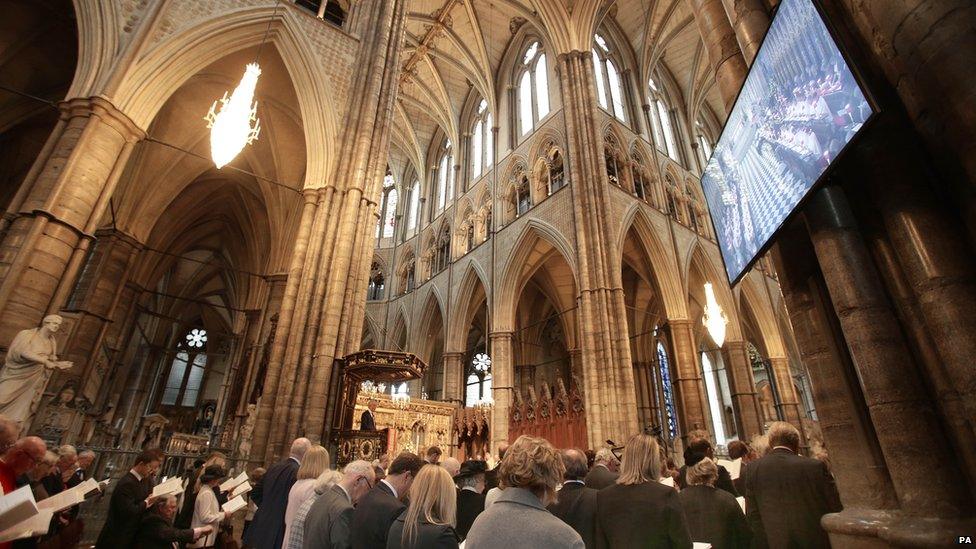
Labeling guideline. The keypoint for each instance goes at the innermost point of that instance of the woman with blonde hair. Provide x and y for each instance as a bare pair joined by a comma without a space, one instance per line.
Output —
528,476
428,523
639,511
314,463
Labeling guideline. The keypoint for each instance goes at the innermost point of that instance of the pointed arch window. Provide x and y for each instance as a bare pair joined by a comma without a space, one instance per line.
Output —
640,175
609,84
704,144
185,377
670,418
481,142
523,198
478,382
533,88
413,205
377,283
664,135
611,151
388,205
557,172
445,178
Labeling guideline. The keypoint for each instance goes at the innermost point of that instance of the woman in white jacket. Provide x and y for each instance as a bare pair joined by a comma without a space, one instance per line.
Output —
206,510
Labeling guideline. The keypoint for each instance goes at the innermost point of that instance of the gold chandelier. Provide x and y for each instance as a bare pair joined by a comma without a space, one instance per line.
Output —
714,318
236,123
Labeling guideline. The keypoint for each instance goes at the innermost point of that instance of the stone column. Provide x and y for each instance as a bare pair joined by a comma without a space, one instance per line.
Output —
923,472
926,50
750,20
44,246
688,385
454,378
788,406
745,400
722,46
608,374
273,375
502,377
856,459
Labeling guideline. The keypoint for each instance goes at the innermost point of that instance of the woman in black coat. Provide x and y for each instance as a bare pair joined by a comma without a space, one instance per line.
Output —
713,515
638,512
428,523
156,531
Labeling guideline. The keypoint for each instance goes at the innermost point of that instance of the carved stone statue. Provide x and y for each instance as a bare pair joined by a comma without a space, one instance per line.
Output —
31,359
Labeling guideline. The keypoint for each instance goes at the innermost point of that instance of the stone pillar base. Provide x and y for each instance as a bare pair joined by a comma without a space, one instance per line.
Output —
870,529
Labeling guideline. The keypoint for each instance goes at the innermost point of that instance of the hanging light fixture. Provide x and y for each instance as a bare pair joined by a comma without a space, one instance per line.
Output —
714,318
235,124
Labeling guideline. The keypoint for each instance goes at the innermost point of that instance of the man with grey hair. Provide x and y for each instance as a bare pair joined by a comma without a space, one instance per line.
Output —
156,527
604,471
576,505
79,474
328,520
267,530
787,494
56,481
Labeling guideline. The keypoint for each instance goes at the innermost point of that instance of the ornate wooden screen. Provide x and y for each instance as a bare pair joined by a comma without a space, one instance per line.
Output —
559,418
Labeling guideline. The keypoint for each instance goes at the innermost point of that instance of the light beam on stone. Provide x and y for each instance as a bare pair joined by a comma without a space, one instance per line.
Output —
236,124
714,318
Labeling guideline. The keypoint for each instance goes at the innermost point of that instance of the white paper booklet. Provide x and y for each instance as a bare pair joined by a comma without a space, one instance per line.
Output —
734,467
37,525
667,481
171,486
700,545
234,505
16,507
742,502
60,502
232,483
244,488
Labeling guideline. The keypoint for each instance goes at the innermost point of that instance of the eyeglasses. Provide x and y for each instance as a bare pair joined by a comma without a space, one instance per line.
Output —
368,483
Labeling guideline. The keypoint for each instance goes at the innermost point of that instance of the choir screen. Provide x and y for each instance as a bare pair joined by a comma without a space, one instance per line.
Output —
798,109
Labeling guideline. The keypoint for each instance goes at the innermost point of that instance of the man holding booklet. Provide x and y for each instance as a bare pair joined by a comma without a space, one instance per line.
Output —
130,500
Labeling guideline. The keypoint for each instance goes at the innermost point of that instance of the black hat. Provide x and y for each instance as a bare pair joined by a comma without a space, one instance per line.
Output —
212,472
470,468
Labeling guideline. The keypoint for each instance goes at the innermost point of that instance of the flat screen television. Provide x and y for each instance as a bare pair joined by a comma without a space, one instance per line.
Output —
799,108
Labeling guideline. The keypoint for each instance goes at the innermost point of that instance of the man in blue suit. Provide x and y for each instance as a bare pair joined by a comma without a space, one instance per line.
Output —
267,530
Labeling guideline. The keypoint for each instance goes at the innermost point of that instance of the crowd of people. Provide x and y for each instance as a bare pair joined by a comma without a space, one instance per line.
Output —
535,496
542,497
27,461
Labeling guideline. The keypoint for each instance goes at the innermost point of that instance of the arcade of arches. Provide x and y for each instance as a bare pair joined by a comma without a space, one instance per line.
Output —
507,189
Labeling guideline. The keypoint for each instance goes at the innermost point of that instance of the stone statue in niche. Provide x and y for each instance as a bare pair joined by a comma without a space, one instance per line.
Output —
31,359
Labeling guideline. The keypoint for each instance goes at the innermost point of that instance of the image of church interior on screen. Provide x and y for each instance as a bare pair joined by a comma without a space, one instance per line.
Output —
799,107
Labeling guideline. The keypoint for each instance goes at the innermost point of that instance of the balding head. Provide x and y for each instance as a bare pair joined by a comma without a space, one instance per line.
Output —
24,454
299,447
85,459
9,431
575,463
452,465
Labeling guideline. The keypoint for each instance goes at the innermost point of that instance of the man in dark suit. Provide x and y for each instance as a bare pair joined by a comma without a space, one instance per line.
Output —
787,494
267,530
491,478
130,500
327,525
576,504
700,447
471,496
156,531
367,421
604,471
378,509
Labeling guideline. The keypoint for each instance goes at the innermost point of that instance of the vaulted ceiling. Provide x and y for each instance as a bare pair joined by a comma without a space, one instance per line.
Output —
454,46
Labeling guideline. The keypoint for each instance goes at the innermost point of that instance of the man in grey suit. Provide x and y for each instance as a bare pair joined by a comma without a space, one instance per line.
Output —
328,520
787,494
604,471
